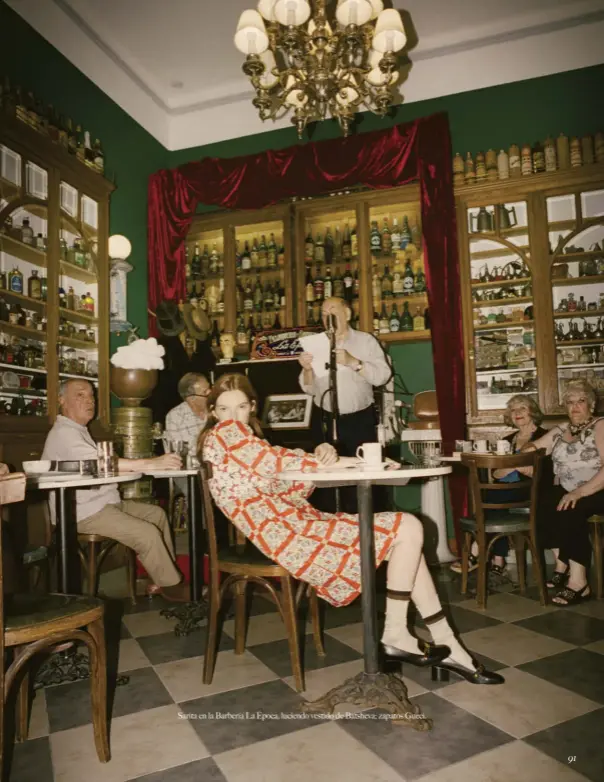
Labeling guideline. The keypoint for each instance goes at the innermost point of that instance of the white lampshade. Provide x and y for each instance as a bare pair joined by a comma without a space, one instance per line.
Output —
119,247
347,95
294,98
268,78
357,12
251,37
379,78
377,6
294,12
389,33
267,9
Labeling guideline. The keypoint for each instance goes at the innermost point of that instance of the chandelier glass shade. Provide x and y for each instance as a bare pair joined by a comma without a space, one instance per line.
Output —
301,60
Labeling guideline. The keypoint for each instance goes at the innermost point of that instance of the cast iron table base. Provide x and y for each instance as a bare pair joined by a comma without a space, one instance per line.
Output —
68,666
373,690
189,616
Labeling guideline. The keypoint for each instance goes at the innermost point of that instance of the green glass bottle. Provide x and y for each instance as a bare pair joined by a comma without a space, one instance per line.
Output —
406,318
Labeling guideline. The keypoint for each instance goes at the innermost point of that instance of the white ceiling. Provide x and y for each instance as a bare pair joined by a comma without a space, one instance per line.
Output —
172,65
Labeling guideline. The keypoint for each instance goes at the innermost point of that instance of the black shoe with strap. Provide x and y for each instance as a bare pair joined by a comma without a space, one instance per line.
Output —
558,579
431,654
479,675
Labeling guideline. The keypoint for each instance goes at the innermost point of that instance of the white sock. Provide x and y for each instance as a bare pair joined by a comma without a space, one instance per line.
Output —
442,633
396,632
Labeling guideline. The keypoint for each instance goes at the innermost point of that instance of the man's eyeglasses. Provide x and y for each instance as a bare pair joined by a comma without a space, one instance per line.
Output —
202,396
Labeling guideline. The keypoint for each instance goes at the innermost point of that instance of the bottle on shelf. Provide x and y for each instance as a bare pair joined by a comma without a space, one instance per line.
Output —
375,239
356,285
258,295
329,246
213,267
587,150
277,322
271,253
327,284
15,280
503,164
269,296
40,242
395,321
376,287
387,287
384,322
43,288
241,336
386,238
34,288
262,253
246,258
282,295
538,158
310,286
406,318
70,298
408,279
348,284
89,303
347,243
397,279
309,248
248,296
526,160
338,289
405,233
418,320
98,157
491,165
469,172
319,285
480,167
27,234
319,249
255,255
337,244
549,151
395,235
220,299
419,285
514,161
376,323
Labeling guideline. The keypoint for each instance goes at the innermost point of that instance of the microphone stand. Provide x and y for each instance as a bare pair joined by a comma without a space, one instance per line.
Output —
333,390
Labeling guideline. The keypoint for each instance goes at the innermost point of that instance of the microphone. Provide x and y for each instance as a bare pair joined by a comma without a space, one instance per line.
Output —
332,323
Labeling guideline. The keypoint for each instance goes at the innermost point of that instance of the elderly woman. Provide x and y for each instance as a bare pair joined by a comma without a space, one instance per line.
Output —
577,450
523,413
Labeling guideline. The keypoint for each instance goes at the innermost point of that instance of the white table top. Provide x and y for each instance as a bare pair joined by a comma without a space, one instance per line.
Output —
81,481
170,473
456,457
353,475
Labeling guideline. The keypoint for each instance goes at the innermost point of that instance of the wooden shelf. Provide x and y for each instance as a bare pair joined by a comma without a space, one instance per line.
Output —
505,371
502,302
9,190
22,331
567,281
74,272
406,336
275,272
37,305
25,252
78,316
501,283
80,344
78,377
512,324
562,257
570,343
516,230
481,255
23,369
577,314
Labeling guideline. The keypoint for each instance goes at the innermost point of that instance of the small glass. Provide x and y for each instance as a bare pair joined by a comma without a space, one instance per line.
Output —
107,459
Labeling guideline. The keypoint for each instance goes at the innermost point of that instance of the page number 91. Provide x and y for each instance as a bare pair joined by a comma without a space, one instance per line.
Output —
572,758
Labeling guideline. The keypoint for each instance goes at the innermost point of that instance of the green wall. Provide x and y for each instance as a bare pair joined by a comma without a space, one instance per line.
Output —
131,154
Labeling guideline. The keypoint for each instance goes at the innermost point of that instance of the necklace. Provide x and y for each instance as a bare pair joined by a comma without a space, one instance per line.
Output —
576,429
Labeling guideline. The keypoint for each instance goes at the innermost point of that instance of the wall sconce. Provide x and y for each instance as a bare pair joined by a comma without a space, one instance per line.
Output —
119,250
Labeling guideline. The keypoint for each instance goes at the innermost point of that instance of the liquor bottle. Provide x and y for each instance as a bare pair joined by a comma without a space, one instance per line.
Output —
214,260
386,238
281,255
89,303
70,298
238,297
329,246
196,263
384,326
338,289
282,296
241,335
277,322
347,244
387,284
40,242
408,279
538,158
419,285
348,283
375,239
237,257
356,285
15,281
262,253
576,155
254,256
397,279
395,321
376,323
310,286
405,233
79,257
406,319
319,285
215,335
220,265
246,260
251,330
418,320
98,157
309,248
319,250
310,316
515,163
328,284
188,274
395,235
258,297
205,262
276,296
354,243
376,289
269,297
27,234
248,296
271,253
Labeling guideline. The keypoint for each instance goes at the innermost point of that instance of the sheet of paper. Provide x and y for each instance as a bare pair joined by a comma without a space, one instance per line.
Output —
318,345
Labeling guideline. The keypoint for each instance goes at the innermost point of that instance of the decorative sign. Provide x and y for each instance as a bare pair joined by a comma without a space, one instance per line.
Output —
117,314
279,344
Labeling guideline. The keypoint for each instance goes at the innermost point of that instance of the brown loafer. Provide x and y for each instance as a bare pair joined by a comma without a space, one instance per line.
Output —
179,593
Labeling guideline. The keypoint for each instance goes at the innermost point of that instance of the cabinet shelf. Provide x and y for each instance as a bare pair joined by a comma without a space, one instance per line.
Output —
562,257
481,255
567,281
23,369
511,324
595,365
78,316
9,190
406,336
571,343
80,344
22,251
69,376
502,302
504,371
577,314
27,303
23,332
74,272
516,230
501,283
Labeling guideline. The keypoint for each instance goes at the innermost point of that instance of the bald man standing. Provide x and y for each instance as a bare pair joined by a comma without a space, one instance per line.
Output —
369,368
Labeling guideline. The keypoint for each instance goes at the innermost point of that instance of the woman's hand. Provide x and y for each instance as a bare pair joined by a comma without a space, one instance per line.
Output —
570,499
4,469
326,454
305,360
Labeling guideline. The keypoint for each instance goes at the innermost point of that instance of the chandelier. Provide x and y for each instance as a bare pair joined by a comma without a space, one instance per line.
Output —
315,66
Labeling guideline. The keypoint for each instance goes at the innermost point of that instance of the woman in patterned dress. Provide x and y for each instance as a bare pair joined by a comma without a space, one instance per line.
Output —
322,548
577,450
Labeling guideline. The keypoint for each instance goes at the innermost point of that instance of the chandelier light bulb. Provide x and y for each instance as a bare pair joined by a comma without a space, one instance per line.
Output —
378,78
268,78
297,97
356,12
119,247
291,12
267,9
251,37
389,33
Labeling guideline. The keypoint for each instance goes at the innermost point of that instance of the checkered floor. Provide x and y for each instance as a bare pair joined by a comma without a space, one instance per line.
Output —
544,723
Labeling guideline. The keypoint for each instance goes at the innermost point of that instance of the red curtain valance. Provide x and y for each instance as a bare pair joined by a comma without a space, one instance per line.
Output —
418,150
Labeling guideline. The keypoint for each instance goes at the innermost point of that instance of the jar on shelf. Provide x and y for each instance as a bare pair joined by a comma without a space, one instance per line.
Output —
563,152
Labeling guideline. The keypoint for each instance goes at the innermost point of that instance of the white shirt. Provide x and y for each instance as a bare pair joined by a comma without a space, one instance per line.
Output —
183,424
67,441
355,390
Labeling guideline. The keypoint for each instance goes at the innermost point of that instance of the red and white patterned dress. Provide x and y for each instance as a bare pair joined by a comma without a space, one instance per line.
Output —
319,548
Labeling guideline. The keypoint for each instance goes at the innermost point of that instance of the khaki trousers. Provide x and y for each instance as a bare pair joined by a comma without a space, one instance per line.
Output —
141,527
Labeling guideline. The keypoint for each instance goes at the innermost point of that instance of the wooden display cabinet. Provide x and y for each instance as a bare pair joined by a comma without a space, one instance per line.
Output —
528,247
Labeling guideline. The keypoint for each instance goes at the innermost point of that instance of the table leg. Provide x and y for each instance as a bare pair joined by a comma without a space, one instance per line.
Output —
191,614
371,688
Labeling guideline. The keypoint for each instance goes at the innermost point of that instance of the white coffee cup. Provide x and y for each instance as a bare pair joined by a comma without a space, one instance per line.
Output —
481,446
370,454
503,447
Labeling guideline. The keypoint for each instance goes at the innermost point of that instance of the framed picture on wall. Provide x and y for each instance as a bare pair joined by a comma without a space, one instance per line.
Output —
287,411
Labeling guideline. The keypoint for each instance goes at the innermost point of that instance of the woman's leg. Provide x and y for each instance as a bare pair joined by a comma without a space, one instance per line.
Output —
575,547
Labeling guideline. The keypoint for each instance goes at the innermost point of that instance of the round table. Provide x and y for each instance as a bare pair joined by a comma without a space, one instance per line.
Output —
371,688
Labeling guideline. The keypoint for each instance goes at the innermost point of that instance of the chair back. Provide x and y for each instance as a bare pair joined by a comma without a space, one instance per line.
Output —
478,465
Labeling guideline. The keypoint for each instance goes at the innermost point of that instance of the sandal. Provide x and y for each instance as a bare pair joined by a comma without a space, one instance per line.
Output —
498,570
472,564
558,580
571,596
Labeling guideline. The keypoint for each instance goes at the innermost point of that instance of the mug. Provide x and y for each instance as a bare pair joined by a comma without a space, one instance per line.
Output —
107,459
503,447
481,446
370,453
463,446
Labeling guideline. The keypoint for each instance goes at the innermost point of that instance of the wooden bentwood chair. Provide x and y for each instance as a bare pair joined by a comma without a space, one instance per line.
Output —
93,550
516,520
242,563
33,624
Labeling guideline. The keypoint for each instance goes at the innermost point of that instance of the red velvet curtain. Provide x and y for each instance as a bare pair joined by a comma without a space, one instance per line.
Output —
381,159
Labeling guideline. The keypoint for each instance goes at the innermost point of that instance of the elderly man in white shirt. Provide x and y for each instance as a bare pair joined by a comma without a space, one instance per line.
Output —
139,526
186,420
369,368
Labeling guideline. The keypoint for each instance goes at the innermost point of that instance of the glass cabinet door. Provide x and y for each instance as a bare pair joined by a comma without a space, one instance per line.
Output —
502,304
576,237
23,285
205,277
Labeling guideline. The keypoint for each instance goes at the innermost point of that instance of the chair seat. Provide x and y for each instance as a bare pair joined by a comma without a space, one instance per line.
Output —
93,538
505,523
24,613
245,556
